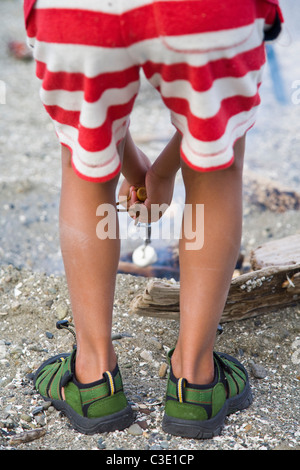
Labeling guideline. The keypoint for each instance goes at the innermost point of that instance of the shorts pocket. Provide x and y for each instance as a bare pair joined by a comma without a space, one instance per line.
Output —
204,26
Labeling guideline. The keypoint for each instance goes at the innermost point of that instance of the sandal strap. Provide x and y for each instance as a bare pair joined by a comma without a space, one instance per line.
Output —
232,374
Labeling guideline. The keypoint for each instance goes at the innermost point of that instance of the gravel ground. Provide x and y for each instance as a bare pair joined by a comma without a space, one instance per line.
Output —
32,303
34,295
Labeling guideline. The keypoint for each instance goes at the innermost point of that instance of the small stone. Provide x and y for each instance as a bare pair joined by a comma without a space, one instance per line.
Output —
40,420
128,365
247,428
258,371
25,417
135,430
142,424
116,336
164,444
37,410
146,355
62,311
101,444
163,370
17,290
46,405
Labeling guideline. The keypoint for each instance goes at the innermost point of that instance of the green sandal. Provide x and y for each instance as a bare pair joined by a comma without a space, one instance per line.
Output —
199,411
92,408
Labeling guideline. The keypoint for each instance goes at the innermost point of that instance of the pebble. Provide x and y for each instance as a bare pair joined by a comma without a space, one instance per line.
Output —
25,417
62,311
164,444
135,430
37,410
41,420
101,444
47,405
163,370
146,355
258,371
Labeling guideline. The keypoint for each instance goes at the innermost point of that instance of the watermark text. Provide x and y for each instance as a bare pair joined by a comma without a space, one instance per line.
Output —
189,226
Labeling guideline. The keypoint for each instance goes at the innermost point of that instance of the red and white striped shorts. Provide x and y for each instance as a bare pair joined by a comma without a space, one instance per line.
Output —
205,58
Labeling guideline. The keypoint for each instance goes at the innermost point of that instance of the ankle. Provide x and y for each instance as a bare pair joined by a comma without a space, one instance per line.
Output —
196,369
90,365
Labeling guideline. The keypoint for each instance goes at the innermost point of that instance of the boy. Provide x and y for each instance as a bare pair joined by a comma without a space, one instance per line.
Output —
206,59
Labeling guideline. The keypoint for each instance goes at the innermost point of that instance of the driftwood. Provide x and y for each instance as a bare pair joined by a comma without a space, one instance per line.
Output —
282,252
269,194
250,294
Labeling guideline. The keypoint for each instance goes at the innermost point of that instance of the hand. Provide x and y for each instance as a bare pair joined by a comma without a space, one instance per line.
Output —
159,194
131,198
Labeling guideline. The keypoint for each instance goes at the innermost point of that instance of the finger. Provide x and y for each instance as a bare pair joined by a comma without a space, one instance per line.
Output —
133,195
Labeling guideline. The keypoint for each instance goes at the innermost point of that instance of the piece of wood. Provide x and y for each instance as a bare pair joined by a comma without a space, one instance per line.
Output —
285,251
250,294
269,194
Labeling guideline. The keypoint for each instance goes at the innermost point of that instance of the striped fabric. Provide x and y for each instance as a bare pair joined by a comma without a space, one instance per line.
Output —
205,58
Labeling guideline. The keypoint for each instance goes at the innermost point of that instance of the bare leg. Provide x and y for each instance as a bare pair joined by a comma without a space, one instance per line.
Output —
205,274
91,266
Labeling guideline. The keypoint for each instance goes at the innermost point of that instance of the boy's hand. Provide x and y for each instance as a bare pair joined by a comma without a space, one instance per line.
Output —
132,198
159,194
159,180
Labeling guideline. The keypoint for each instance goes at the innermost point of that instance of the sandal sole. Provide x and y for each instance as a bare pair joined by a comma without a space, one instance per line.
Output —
115,422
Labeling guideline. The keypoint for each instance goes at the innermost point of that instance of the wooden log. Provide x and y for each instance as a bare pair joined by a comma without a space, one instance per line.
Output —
285,251
250,294
269,194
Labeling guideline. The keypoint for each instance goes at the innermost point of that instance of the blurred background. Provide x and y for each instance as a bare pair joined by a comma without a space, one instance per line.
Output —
30,154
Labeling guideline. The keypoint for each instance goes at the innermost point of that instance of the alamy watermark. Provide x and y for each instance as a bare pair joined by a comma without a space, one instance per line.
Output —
2,92
190,226
296,93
